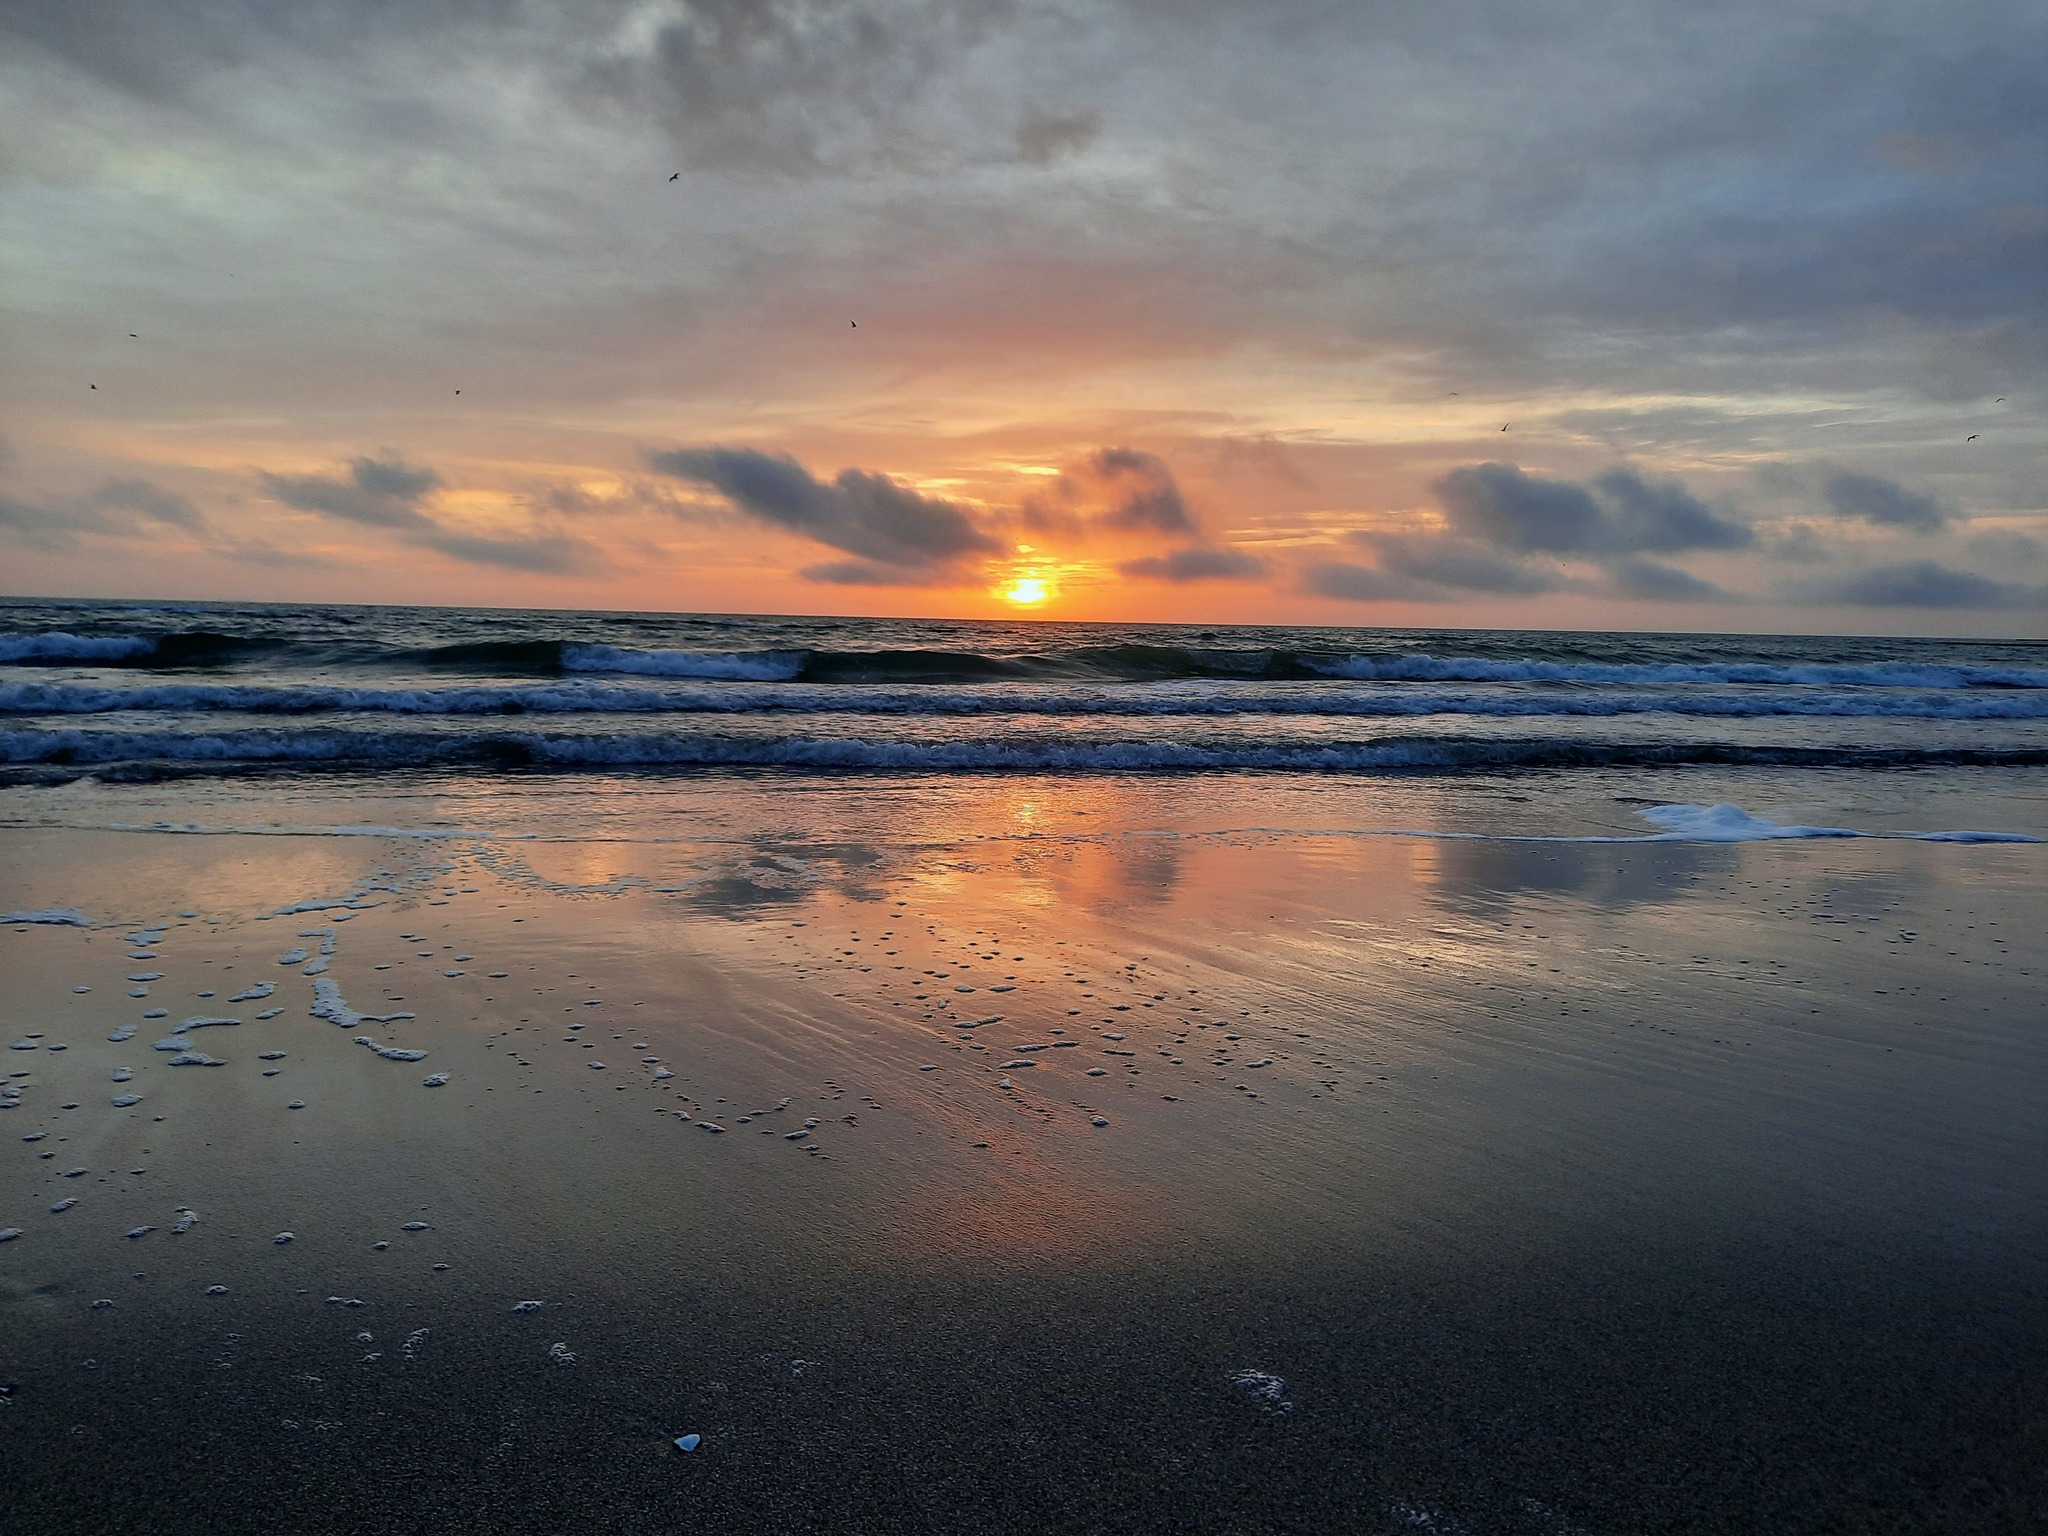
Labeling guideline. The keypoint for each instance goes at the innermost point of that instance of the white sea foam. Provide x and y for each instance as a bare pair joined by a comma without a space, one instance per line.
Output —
1726,823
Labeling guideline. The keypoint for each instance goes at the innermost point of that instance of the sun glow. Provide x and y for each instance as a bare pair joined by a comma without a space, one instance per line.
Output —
1026,592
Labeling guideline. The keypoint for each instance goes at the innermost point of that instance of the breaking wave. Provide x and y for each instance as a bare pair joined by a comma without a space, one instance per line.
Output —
684,750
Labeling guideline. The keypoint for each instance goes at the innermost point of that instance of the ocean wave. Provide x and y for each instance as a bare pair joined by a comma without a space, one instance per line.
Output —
180,648
1480,669
58,645
1285,699
511,646
730,666
511,750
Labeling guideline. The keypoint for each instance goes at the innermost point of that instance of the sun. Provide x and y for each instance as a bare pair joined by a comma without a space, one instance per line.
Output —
1026,592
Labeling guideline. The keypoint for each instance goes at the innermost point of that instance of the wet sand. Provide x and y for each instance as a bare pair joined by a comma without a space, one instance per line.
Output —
1461,1186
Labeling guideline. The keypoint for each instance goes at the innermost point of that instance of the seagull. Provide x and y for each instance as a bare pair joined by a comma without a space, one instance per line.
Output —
132,336
1971,438
458,391
1509,424
92,386
677,175
1999,401
854,323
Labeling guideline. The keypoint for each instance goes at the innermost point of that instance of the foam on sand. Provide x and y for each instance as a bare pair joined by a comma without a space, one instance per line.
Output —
329,1004
1727,823
62,917
391,1052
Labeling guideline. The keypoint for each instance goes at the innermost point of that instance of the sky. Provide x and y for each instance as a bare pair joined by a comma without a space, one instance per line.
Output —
1519,314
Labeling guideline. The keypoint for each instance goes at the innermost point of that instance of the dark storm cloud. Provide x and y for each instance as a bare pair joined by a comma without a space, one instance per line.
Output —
1196,564
387,494
1618,513
1885,503
886,526
1921,584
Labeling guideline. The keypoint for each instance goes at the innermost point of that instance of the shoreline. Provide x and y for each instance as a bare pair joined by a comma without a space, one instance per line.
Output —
1566,1187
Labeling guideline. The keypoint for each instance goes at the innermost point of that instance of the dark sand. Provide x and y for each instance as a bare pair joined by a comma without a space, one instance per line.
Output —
1586,1188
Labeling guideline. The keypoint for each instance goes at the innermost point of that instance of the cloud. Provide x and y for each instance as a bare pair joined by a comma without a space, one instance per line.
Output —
1459,563
387,494
1199,563
120,508
1126,490
800,89
43,527
858,573
1921,584
2008,547
1043,138
1883,502
1655,581
152,502
551,553
1619,513
1796,541
1365,584
886,526
379,493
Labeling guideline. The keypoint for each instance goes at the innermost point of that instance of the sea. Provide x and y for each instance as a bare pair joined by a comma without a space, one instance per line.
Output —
140,692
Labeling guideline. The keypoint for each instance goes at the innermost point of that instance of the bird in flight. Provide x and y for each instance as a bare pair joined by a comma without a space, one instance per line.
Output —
92,386
1999,401
676,177
1971,438
132,336
854,323
1505,426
